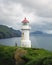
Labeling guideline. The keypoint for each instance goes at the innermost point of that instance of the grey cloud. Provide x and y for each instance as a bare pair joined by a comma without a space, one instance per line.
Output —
43,27
40,8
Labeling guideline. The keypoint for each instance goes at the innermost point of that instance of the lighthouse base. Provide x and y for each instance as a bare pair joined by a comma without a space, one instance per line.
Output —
26,43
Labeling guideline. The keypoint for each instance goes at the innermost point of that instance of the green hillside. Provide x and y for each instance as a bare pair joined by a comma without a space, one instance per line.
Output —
6,32
24,56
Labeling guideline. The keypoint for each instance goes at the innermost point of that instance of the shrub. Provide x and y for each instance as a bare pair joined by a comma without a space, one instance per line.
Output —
42,61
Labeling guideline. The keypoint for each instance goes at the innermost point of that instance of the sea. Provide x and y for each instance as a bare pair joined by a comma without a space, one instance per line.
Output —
37,41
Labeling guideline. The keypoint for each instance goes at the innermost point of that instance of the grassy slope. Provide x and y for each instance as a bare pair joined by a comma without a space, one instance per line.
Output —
7,55
6,32
11,55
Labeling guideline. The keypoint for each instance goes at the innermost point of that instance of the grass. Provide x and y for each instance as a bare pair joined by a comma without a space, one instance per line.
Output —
11,55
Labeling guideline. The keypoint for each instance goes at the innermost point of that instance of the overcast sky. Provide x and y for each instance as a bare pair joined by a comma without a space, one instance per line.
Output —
38,12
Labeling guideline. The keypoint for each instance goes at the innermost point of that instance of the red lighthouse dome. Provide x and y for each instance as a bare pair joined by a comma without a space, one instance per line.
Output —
25,21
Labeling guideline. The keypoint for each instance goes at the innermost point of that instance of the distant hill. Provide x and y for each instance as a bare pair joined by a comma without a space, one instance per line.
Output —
37,32
6,32
41,33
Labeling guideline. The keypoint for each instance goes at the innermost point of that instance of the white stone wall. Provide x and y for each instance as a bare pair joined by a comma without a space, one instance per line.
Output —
25,41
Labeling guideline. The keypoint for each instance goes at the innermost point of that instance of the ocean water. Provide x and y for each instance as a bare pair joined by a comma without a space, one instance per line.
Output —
36,41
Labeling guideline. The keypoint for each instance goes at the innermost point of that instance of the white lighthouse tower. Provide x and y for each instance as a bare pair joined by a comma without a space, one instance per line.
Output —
25,40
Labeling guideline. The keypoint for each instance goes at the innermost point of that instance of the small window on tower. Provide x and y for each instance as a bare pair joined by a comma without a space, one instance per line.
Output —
22,35
25,23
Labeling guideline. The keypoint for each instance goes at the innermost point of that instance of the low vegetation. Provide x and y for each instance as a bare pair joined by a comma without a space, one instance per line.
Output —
6,32
24,56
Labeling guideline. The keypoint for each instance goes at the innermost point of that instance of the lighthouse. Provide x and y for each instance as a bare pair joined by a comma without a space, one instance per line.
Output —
25,37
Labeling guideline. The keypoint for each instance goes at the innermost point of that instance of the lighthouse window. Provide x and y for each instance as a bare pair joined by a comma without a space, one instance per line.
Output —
25,23
22,35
